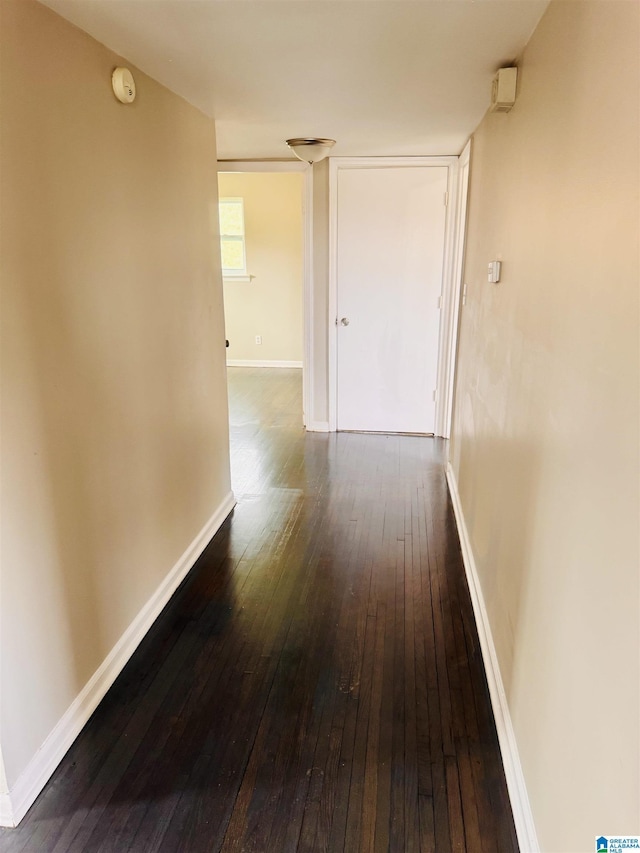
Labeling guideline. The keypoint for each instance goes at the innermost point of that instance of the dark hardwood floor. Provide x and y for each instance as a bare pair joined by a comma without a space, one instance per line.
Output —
315,684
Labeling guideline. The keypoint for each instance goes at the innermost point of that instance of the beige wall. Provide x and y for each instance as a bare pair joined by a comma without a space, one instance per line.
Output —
271,304
545,439
114,413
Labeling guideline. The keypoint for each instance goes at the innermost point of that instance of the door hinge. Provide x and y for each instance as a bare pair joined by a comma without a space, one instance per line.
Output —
439,302
435,395
446,199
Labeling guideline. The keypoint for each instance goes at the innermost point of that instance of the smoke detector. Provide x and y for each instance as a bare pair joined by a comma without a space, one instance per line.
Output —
503,90
124,87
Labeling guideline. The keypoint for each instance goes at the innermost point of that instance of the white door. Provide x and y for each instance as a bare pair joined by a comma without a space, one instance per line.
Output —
390,252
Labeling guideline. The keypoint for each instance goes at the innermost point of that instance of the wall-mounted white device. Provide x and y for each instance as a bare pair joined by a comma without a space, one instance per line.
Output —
124,86
503,90
493,272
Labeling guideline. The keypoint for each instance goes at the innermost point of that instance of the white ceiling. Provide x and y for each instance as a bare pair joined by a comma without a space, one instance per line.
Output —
392,77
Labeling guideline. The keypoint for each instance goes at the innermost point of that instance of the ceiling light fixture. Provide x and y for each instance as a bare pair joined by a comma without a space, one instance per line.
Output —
311,150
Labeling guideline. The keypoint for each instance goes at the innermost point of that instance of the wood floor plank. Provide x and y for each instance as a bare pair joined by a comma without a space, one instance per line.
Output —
385,747
456,819
427,827
397,798
372,757
411,809
316,683
353,832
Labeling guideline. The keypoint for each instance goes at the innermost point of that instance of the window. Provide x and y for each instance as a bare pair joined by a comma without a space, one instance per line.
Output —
232,246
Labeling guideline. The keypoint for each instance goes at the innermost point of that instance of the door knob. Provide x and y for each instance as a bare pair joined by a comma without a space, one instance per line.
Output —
345,321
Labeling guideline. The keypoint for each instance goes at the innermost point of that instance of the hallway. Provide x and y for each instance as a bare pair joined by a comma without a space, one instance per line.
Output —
315,684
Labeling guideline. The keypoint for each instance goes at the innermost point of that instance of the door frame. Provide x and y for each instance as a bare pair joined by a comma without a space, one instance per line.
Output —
458,289
448,300
288,166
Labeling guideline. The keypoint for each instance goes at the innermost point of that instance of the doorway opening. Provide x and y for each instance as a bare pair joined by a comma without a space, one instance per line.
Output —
265,255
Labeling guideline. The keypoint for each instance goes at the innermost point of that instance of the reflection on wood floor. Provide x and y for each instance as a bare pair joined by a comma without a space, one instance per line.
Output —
316,684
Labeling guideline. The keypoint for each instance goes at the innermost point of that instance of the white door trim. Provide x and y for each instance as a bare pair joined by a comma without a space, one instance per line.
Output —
452,294
285,166
448,299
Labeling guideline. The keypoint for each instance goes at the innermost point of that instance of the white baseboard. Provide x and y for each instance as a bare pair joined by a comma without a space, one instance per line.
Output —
15,804
318,426
6,811
243,362
522,815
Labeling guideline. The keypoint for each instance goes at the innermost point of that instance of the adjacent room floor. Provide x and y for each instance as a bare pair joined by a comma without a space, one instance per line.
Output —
315,684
